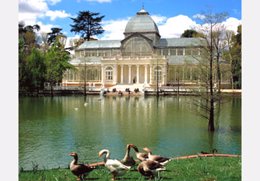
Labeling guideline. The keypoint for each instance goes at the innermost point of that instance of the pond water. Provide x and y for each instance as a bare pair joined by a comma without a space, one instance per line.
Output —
51,128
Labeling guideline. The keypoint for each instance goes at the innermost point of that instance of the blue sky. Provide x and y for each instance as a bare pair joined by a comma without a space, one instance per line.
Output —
171,16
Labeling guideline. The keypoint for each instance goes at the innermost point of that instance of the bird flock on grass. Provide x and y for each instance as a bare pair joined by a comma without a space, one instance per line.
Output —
148,164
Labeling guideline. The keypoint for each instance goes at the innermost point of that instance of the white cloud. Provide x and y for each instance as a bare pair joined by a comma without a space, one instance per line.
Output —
114,29
45,27
175,26
57,14
31,10
232,24
32,6
28,18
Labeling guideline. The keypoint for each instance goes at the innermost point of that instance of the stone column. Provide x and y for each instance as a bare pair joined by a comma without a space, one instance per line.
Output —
151,74
137,74
122,74
129,74
164,73
115,74
102,75
145,74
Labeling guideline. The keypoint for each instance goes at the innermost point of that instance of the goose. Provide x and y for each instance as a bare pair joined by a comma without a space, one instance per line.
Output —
128,160
162,160
150,168
140,156
115,166
79,170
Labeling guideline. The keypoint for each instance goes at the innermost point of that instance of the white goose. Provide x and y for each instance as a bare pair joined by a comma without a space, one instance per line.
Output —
115,166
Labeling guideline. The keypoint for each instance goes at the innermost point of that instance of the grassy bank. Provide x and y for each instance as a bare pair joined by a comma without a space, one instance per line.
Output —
196,169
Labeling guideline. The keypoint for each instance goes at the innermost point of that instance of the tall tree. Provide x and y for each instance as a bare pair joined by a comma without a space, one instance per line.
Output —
236,54
207,29
27,44
52,36
56,64
28,35
35,70
87,24
232,53
219,46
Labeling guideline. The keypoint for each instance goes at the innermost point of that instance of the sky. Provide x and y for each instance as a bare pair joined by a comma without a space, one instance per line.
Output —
172,16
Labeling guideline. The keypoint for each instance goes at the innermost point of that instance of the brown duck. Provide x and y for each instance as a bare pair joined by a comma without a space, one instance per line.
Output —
128,160
80,170
149,168
162,160
139,155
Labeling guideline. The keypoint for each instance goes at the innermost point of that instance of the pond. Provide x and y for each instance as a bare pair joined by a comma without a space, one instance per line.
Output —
51,128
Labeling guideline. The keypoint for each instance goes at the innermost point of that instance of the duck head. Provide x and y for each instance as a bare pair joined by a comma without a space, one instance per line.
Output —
134,147
147,150
73,154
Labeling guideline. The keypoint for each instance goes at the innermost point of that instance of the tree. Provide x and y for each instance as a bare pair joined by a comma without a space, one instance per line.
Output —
233,54
35,70
56,64
28,35
87,24
27,52
52,36
190,34
236,66
208,29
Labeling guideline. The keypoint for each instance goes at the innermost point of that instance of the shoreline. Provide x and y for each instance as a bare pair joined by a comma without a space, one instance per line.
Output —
232,92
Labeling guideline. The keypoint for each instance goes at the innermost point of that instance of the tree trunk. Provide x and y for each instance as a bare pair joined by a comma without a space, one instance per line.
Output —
211,109
218,73
211,126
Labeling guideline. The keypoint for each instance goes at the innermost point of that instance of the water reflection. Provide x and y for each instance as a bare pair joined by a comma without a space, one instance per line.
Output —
51,128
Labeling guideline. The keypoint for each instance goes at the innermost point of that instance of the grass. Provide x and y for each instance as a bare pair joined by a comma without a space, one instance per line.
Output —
196,169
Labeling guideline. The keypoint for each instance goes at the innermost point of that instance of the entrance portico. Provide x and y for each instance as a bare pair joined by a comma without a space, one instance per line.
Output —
133,70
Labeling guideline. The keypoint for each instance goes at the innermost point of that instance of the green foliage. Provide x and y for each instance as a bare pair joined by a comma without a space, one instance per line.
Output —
28,35
87,24
233,55
35,69
37,66
31,69
52,36
236,53
197,169
56,63
190,34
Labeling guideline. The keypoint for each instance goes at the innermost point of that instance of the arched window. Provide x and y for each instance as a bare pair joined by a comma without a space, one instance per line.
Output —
158,73
137,46
109,73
